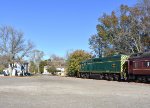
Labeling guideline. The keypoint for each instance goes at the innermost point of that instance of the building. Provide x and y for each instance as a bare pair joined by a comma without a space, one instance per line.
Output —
16,69
62,71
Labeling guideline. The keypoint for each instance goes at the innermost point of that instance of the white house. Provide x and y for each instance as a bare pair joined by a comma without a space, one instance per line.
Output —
62,71
45,70
16,69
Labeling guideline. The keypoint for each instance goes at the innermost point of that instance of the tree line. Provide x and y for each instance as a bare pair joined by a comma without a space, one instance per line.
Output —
14,48
37,63
124,31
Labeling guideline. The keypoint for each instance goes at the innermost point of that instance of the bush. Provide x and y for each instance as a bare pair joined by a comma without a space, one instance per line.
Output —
53,70
74,60
1,70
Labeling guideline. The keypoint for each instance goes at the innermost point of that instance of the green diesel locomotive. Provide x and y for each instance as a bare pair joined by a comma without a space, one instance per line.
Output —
109,68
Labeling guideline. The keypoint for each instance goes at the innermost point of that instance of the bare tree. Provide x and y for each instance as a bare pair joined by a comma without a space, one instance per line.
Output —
56,61
36,56
13,45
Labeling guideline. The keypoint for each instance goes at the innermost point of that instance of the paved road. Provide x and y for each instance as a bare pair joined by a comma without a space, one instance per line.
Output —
64,92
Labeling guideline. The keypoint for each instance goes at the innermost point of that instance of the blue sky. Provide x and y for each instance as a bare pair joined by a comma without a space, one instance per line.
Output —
57,26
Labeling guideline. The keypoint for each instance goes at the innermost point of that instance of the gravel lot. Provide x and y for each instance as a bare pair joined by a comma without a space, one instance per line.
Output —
65,92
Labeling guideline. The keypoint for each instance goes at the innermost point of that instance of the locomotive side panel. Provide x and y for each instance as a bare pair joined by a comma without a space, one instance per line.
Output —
107,67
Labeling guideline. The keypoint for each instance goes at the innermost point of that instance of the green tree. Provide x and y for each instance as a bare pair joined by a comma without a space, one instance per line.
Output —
52,70
74,60
32,67
97,44
125,31
1,68
42,64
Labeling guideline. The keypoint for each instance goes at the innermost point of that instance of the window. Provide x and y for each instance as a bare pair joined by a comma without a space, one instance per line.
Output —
136,65
147,64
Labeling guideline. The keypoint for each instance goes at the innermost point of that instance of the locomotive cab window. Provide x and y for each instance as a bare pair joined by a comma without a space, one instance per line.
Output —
147,64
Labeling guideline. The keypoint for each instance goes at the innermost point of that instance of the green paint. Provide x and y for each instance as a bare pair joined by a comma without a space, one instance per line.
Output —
113,64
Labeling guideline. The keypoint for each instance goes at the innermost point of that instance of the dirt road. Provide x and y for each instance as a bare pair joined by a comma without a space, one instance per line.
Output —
65,92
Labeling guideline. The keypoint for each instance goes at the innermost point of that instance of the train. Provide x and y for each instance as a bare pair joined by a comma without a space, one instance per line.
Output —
118,67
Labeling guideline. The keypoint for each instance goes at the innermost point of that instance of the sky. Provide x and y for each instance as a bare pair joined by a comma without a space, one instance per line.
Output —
57,26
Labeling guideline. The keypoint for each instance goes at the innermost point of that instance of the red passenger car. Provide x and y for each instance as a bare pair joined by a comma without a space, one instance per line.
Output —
139,67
